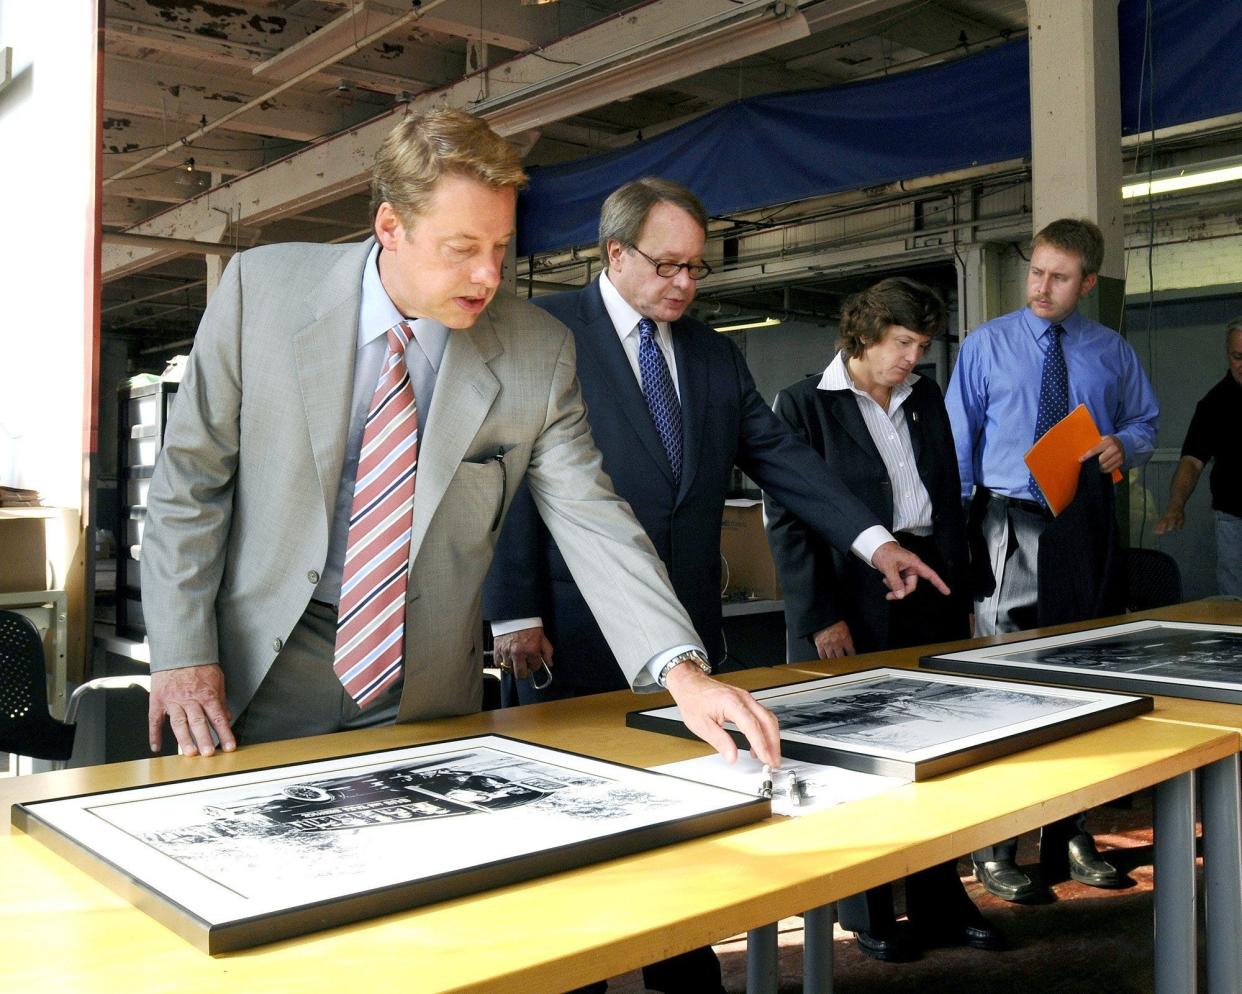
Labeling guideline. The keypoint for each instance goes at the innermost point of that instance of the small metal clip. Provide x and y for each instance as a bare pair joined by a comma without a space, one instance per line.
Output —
765,785
547,676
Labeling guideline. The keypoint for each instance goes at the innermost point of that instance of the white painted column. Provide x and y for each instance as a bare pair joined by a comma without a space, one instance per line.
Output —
1076,127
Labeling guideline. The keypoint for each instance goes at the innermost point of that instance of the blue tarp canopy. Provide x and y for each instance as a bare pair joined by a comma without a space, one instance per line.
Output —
792,146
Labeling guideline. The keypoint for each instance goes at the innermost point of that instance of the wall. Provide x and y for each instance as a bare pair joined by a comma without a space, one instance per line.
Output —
49,146
47,199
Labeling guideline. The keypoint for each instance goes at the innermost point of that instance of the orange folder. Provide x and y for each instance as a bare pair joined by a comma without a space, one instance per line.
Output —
1053,460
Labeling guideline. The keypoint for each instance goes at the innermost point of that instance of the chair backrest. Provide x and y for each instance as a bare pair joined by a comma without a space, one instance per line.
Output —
26,726
1152,580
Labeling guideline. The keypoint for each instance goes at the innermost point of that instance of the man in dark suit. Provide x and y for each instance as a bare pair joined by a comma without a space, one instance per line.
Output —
673,409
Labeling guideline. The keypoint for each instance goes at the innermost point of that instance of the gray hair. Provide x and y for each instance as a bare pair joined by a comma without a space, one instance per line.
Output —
624,213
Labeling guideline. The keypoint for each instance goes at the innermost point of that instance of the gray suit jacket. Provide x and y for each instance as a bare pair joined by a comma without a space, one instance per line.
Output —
240,505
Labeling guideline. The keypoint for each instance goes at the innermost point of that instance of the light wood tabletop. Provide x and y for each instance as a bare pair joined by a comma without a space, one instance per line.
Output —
59,927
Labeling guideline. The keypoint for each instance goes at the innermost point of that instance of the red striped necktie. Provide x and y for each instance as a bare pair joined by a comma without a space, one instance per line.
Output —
371,618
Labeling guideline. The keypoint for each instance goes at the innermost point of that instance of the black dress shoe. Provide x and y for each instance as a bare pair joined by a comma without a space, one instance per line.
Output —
1088,867
977,933
1003,878
896,947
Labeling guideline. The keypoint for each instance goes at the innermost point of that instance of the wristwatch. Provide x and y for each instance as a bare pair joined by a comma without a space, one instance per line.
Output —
690,656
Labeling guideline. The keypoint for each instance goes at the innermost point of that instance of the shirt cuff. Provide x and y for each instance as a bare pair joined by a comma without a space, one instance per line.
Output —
868,541
656,663
516,625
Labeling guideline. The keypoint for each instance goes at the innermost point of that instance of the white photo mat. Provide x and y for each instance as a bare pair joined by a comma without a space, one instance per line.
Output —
1175,658
915,724
238,859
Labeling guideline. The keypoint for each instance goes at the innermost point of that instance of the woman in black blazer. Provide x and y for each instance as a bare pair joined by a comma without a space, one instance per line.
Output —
885,430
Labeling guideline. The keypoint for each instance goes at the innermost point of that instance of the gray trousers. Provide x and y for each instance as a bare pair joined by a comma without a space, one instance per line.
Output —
1011,533
301,694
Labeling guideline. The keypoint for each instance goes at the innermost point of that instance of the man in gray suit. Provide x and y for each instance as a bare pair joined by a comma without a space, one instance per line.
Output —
250,507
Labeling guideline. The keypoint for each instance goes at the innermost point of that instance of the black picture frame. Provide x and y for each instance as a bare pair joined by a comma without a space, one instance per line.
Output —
368,834
916,724
1187,659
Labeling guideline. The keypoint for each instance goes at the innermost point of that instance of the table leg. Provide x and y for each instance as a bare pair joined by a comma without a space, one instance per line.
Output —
817,949
1222,874
1176,949
762,974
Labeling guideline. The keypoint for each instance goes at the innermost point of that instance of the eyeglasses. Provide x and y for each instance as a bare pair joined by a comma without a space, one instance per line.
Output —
667,270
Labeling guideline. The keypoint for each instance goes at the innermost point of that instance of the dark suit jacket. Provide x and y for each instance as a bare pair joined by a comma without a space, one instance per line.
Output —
824,585
725,422
1080,562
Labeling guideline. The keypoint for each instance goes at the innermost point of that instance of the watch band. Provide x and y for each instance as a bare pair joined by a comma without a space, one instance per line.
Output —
690,656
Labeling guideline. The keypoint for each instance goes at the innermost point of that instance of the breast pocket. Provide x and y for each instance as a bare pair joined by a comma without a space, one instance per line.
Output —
476,494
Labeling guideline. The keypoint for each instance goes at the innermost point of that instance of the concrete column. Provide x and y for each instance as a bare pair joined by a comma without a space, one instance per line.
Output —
1076,131
218,229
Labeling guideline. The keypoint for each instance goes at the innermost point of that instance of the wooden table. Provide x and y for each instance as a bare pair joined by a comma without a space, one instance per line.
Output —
60,929
1216,792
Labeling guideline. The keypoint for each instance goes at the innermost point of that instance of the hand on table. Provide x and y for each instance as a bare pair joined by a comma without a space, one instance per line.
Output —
193,700
706,705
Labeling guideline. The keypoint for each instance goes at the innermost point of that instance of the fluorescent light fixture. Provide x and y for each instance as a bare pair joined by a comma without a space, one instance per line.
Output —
746,325
625,74
1182,180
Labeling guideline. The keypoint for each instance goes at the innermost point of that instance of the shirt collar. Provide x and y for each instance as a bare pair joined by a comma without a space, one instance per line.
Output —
1038,326
837,377
378,313
624,318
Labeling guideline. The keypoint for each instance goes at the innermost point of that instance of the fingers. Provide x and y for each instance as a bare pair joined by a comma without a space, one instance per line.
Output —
523,652
192,699
762,731
706,705
716,737
155,723
932,577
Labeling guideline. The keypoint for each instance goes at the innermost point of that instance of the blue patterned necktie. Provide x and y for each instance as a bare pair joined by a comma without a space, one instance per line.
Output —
660,393
1053,395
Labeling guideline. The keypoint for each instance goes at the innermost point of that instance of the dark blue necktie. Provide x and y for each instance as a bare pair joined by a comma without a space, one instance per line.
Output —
1053,395
660,393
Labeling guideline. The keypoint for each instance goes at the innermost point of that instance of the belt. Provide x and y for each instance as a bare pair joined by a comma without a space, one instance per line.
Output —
1030,506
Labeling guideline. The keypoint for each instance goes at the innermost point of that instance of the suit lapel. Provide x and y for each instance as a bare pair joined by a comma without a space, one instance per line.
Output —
692,377
915,421
843,407
466,388
599,346
323,354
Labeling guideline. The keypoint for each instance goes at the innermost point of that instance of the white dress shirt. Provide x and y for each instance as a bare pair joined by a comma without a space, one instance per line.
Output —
912,508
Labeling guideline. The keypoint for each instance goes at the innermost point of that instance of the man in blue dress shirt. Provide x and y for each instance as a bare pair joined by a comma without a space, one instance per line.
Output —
994,405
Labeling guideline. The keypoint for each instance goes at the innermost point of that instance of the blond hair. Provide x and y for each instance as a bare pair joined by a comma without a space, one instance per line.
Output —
443,141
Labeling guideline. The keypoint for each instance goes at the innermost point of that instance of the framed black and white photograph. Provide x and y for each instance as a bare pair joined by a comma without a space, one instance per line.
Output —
1174,658
239,859
912,724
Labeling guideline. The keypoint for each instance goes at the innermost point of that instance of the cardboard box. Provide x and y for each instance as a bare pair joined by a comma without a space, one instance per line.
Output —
37,547
41,548
748,570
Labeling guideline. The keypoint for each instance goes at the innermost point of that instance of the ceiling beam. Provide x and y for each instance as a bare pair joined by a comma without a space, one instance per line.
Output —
671,30
163,92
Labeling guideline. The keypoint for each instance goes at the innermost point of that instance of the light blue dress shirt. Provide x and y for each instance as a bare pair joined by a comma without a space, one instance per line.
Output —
993,396
376,314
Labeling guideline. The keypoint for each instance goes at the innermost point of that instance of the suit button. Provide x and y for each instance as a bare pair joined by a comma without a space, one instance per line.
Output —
277,645
313,576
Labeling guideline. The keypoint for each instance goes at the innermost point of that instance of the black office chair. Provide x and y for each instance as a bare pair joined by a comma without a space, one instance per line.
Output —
1152,580
27,728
